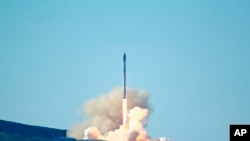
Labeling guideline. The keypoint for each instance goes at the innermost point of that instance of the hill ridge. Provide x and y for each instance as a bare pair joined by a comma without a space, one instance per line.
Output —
20,129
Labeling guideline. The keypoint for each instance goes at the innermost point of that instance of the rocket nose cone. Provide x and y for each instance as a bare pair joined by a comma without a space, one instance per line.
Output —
124,56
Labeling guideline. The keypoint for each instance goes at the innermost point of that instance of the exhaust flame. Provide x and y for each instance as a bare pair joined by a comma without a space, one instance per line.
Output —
107,115
124,111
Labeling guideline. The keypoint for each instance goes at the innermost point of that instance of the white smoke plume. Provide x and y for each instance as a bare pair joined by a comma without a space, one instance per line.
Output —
104,117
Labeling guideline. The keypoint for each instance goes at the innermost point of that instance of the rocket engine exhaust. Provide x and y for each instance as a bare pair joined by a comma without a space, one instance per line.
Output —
124,101
124,112
109,119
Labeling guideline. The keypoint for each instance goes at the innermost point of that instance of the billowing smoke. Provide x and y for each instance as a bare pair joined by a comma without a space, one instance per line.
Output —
104,117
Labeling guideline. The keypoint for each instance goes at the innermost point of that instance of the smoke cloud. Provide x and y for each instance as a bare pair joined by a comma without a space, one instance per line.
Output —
104,117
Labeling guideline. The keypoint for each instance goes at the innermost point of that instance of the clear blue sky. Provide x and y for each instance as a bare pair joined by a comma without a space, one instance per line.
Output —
192,56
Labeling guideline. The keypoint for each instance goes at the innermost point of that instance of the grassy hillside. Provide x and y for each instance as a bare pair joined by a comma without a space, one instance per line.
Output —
11,131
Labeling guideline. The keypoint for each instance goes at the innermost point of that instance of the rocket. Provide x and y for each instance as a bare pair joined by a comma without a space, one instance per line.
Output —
124,101
124,76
